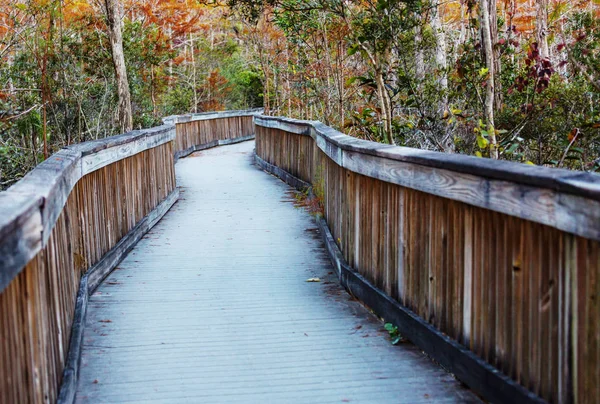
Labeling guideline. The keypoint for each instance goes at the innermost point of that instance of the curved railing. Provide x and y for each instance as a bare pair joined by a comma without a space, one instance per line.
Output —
491,267
209,129
67,224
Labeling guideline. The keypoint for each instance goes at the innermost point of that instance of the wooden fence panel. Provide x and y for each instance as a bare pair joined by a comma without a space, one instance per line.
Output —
70,214
37,307
198,131
520,294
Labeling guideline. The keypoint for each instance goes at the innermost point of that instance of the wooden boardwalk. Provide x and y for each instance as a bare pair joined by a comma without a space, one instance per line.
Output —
213,306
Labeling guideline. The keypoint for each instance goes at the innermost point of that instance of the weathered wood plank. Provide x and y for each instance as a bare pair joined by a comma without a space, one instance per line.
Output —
55,224
206,116
110,260
558,198
479,375
90,281
95,156
20,233
52,182
155,327
477,251
578,183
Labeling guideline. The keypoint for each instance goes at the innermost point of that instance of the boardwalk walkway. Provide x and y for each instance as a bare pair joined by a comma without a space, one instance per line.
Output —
213,306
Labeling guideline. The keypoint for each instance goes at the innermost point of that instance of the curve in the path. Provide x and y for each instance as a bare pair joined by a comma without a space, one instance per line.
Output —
213,306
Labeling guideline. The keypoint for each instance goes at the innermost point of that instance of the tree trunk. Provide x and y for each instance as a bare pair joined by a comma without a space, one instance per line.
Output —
441,60
488,48
419,57
194,74
498,93
542,28
386,109
115,35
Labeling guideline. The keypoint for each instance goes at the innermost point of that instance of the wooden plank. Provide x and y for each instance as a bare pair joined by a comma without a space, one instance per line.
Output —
111,259
207,116
557,198
20,233
561,180
94,159
476,373
302,341
565,212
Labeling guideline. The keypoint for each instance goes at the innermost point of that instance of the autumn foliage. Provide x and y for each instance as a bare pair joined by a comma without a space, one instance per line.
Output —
413,73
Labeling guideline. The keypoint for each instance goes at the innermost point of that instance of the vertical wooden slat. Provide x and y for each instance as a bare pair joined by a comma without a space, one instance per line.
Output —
522,296
37,307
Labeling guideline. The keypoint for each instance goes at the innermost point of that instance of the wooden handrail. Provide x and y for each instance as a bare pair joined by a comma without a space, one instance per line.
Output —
49,185
67,224
564,199
492,267
209,129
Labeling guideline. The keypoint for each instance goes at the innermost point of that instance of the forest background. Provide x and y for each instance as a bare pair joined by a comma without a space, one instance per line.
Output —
508,79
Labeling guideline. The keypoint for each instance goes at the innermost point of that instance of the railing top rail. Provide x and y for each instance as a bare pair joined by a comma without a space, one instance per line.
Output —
30,208
564,199
577,183
203,116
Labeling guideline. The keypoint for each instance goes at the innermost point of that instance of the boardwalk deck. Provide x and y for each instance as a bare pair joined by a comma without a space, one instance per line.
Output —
213,306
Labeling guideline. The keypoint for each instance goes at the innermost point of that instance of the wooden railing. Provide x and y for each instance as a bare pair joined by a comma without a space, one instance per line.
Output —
203,130
492,267
66,225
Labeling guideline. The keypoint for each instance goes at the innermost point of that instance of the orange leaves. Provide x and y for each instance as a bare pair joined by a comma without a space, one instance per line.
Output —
180,17
76,10
179,60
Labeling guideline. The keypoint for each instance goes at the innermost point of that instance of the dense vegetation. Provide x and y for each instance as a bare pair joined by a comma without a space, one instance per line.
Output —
508,79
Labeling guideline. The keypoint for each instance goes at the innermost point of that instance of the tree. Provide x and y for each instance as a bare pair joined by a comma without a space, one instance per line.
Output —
114,27
490,64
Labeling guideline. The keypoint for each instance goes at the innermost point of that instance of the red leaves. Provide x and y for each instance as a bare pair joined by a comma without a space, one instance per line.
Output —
539,71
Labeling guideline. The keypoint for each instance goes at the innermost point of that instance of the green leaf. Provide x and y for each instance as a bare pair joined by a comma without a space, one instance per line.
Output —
482,142
353,49
512,148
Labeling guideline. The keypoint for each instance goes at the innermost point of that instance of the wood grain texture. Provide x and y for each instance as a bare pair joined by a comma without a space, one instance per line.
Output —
558,198
52,181
196,134
213,306
37,304
203,116
20,233
467,254
90,281
82,209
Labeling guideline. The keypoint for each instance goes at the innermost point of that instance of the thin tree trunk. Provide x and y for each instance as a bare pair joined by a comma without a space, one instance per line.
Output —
194,73
441,60
542,28
498,94
115,35
419,57
385,104
488,48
